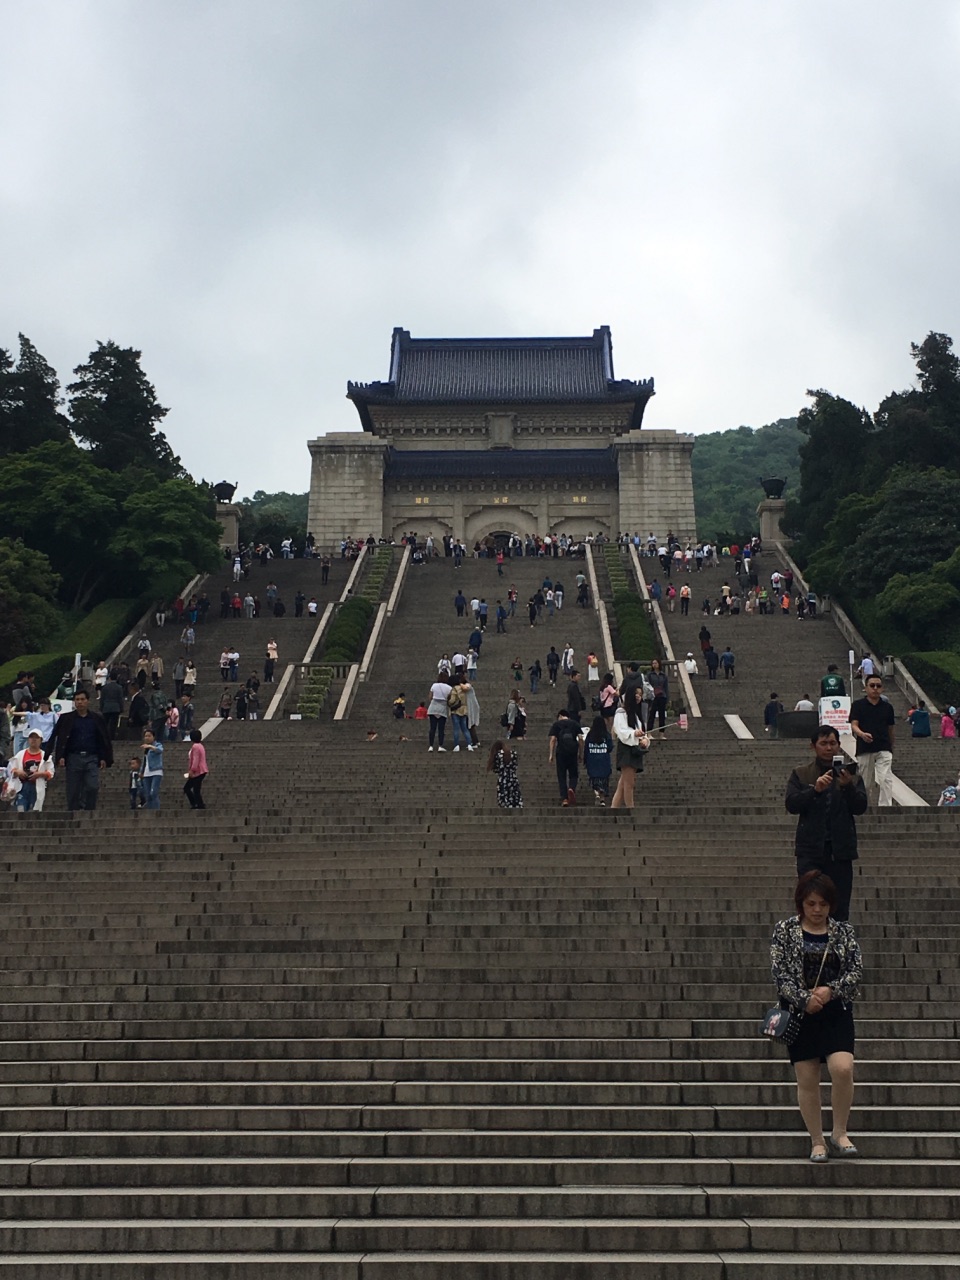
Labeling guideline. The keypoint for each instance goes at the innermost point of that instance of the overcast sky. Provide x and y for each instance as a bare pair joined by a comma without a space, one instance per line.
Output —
757,197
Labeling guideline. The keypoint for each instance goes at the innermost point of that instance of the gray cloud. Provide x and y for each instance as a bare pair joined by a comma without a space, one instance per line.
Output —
758,198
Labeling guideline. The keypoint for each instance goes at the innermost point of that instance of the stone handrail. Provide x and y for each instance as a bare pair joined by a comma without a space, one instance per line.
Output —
905,682
685,682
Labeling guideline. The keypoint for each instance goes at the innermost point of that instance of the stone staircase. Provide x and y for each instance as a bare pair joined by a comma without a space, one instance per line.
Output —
426,625
250,636
353,1021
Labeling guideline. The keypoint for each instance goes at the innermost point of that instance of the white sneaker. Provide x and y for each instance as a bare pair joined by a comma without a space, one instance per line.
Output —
455,748
471,748
431,748
441,748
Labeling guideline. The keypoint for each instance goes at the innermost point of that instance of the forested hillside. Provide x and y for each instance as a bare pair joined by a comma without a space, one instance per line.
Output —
877,515
95,508
727,469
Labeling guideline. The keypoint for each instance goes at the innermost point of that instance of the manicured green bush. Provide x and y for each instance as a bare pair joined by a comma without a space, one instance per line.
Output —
348,632
635,638
103,628
314,693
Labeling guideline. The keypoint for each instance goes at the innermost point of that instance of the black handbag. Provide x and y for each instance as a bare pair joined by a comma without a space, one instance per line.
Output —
782,1023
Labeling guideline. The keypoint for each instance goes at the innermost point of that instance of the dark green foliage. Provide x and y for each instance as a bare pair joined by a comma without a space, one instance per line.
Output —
635,642
314,693
271,517
633,637
938,673
167,527
348,631
376,574
95,636
727,467
103,628
47,667
911,520
114,410
30,401
832,461
879,513
28,587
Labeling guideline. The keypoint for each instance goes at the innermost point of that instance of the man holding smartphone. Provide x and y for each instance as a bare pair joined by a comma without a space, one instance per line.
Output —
827,795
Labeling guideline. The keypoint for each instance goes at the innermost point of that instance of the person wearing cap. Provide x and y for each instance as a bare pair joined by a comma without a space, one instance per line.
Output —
690,665
28,774
948,723
81,745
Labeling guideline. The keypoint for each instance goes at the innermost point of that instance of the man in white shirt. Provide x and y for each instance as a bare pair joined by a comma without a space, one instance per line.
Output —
804,704
866,669
690,665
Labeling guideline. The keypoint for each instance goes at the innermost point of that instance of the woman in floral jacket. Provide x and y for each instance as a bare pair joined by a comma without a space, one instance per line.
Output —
817,968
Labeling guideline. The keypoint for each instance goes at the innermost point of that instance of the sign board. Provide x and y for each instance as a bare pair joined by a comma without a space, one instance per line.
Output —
684,722
835,712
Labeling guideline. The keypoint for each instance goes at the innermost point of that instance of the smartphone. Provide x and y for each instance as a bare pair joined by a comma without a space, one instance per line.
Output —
838,765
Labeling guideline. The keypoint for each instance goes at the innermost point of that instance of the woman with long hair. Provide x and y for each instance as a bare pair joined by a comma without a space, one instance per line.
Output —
817,967
503,762
632,745
516,715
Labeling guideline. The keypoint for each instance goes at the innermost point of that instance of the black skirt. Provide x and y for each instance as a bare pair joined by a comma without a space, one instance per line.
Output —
821,1034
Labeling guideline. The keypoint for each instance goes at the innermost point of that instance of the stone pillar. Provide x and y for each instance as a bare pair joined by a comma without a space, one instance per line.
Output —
346,488
771,511
656,484
228,513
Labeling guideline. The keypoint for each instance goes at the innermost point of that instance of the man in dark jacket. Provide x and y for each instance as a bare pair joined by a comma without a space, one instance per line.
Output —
81,744
112,704
827,798
576,703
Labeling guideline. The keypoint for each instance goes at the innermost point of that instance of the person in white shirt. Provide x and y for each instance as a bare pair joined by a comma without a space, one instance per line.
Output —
690,665
804,704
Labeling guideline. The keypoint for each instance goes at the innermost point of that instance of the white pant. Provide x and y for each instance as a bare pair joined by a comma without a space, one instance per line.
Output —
876,769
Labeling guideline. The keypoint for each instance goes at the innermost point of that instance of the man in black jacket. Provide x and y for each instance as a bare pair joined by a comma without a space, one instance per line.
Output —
81,744
827,799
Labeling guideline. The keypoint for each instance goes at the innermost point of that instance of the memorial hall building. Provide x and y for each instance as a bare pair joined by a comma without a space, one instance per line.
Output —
489,436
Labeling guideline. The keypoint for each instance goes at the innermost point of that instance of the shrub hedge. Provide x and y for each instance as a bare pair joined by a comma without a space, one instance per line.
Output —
97,635
314,693
635,640
348,633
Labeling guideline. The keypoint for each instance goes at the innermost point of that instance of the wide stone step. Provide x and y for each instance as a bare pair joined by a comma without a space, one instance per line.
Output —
482,1265
491,1115
415,1234
494,1144
153,1171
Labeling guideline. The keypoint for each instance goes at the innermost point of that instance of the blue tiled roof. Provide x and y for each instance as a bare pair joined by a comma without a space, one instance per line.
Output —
499,371
500,464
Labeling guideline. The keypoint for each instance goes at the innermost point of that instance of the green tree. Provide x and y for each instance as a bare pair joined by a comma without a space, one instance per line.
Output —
58,501
838,440
30,401
28,588
271,517
916,521
114,409
727,467
167,529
